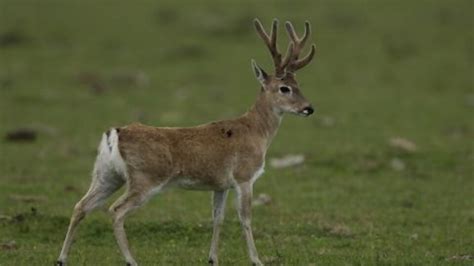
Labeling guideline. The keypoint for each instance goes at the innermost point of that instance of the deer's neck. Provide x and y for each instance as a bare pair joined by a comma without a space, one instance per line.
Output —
265,118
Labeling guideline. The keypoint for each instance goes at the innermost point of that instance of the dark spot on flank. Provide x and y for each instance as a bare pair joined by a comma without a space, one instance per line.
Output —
247,125
118,129
107,133
227,132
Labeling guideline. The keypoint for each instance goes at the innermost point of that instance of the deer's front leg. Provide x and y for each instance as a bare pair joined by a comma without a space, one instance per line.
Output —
244,194
218,204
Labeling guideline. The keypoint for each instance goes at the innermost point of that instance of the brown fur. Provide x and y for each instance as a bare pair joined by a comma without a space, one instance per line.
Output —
212,154
215,156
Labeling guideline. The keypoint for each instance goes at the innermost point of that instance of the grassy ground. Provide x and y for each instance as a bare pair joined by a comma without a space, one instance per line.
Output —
384,69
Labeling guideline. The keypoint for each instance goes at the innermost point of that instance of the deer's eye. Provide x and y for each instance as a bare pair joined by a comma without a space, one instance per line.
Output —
285,89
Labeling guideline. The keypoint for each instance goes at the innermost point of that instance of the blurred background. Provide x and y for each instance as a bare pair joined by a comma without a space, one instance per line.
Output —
382,174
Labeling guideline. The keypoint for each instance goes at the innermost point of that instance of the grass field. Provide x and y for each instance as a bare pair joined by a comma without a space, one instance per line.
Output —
71,69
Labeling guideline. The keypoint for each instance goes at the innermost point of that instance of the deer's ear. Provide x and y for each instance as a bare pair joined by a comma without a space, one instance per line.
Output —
260,74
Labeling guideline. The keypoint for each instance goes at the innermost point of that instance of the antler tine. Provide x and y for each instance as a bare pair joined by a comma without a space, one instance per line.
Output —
304,61
271,42
273,34
291,31
287,58
307,33
298,44
261,32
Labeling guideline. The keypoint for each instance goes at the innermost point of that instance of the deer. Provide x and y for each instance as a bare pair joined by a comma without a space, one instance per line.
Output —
217,156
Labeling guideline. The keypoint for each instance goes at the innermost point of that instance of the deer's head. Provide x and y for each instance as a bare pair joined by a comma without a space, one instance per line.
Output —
281,88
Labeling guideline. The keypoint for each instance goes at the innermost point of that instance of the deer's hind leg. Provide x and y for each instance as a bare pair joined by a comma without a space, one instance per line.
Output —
139,190
107,177
104,183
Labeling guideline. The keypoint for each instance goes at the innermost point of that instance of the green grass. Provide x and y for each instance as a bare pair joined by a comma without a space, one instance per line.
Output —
383,69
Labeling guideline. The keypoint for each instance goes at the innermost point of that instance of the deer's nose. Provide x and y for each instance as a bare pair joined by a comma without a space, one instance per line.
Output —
308,110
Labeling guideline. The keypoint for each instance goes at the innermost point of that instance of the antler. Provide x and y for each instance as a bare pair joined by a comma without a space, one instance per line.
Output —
297,45
291,62
271,43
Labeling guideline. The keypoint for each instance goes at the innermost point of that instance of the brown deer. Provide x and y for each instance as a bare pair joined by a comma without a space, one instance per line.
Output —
216,156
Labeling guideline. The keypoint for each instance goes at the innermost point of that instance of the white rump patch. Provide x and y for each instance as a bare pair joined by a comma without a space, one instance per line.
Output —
109,158
117,160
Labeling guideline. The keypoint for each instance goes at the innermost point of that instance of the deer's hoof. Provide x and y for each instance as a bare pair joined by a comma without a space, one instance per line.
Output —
59,263
131,263
213,261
